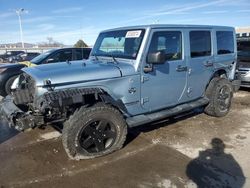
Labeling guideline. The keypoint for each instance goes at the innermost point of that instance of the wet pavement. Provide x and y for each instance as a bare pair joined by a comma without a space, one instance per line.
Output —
192,150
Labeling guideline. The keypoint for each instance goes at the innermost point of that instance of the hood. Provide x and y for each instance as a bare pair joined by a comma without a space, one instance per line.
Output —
77,72
15,65
10,65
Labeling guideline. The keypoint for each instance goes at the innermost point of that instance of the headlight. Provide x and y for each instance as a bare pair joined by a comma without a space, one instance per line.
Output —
247,74
15,83
2,70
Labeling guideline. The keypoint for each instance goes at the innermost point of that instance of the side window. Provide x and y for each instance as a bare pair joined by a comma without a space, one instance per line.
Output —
225,42
169,42
81,54
200,43
62,56
86,53
78,54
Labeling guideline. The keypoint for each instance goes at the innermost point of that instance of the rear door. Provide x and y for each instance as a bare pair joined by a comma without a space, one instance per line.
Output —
201,61
226,51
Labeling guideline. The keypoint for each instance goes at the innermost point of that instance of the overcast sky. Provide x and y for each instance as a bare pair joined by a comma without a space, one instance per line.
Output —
69,20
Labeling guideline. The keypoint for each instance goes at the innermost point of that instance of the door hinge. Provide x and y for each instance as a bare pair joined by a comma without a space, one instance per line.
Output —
189,91
144,100
189,71
144,79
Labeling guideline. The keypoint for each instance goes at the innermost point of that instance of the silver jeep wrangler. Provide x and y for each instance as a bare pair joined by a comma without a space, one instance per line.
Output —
135,75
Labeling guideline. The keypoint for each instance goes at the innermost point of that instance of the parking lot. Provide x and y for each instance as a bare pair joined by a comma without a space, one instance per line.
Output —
173,153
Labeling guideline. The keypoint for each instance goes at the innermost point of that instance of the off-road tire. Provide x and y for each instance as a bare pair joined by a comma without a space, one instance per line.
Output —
81,119
213,93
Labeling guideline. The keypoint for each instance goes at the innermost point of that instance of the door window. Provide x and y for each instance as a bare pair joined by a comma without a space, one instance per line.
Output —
65,55
81,54
200,43
169,42
78,54
225,42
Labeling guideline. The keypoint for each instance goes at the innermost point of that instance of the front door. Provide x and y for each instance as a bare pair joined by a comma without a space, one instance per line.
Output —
165,85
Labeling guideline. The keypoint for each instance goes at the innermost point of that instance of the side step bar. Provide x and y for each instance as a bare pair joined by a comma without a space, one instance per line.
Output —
155,116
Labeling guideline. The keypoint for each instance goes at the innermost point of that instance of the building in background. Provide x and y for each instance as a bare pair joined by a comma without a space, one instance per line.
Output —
243,32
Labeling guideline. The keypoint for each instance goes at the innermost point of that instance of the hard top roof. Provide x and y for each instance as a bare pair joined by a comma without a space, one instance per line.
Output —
161,26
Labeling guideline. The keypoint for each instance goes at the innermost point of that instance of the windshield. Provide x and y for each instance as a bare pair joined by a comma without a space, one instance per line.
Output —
41,57
119,44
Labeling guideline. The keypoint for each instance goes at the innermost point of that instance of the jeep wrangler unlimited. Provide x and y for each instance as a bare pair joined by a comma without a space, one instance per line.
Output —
135,75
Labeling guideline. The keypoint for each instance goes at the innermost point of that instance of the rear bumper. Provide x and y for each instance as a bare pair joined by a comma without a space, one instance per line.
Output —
15,116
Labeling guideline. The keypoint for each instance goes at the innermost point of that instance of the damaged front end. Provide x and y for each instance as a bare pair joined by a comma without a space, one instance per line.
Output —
16,117
23,109
17,108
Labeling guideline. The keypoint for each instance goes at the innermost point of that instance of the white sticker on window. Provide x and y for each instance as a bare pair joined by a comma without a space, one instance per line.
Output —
133,34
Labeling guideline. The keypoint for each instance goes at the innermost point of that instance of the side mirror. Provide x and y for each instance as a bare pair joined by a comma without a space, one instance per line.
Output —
49,60
156,58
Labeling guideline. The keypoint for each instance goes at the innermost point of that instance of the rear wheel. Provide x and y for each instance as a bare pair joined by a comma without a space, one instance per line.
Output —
220,93
94,132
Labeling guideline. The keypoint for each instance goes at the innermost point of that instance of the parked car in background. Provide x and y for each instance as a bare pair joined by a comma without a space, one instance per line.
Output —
23,57
4,57
135,75
244,60
9,72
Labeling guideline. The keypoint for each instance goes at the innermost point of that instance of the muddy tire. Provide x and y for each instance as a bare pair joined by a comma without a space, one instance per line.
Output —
220,93
93,132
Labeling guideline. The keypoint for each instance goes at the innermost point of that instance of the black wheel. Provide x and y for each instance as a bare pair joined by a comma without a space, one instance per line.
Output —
8,85
219,93
93,132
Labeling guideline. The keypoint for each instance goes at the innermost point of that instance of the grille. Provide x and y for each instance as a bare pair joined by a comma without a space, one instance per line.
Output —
243,72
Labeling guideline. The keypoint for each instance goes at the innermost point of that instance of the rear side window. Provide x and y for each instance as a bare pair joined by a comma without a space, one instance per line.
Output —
200,43
62,56
169,42
225,42
78,54
81,54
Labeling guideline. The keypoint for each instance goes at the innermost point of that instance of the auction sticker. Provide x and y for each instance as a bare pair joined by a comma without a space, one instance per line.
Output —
133,34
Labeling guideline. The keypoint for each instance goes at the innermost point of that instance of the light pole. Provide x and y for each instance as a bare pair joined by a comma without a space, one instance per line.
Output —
19,12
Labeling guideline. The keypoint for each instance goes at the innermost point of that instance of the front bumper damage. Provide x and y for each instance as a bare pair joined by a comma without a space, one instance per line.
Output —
15,117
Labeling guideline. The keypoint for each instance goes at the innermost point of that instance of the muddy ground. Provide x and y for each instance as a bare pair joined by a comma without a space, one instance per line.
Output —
192,150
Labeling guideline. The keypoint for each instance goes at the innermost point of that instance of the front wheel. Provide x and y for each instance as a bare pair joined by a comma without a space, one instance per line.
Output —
220,94
93,132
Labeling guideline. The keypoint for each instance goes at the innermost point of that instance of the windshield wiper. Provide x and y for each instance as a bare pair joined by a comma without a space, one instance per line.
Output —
96,57
114,59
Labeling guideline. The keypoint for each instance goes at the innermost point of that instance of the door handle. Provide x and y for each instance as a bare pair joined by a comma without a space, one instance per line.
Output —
208,64
181,68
